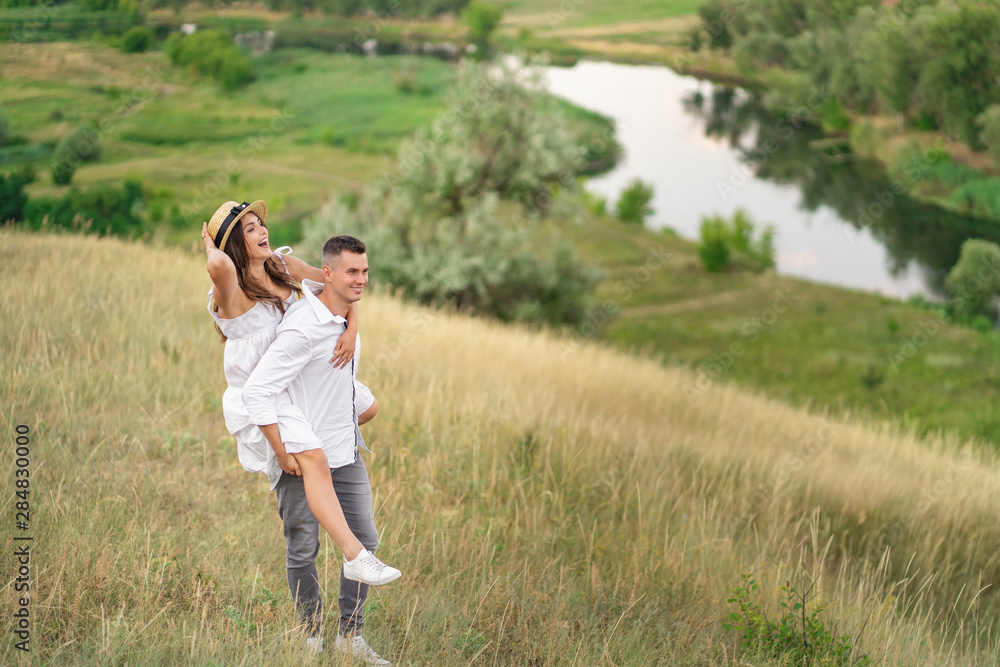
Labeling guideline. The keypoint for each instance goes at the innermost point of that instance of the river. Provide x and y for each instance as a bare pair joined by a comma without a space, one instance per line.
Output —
703,148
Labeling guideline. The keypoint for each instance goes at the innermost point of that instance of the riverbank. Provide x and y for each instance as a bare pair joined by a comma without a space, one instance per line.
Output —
634,37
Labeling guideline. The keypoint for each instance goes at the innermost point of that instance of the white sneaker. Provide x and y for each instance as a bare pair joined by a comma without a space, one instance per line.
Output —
357,647
368,569
313,645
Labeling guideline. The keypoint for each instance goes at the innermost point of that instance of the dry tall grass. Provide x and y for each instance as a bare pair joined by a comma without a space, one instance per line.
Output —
548,503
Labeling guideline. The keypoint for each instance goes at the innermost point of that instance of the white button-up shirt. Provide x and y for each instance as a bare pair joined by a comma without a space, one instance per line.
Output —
298,361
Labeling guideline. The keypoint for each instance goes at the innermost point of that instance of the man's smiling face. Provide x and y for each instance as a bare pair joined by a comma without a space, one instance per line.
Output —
348,276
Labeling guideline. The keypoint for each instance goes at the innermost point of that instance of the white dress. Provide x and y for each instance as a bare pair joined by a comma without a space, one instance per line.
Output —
248,337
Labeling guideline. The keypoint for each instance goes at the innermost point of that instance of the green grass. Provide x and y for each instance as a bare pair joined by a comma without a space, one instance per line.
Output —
832,348
597,12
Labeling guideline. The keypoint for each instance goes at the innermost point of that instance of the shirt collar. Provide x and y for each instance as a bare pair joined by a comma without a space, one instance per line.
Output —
311,288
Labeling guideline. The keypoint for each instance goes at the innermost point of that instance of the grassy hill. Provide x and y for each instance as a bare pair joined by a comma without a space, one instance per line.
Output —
546,508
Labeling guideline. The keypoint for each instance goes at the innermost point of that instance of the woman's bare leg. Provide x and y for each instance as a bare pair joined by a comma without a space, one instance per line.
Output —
323,500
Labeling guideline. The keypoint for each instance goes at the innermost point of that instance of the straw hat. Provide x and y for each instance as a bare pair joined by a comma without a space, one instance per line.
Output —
228,216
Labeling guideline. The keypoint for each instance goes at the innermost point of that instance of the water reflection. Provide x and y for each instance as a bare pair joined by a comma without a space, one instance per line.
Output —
706,150
859,190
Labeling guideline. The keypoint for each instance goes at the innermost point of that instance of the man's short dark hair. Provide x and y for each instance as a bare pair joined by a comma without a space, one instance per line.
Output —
338,244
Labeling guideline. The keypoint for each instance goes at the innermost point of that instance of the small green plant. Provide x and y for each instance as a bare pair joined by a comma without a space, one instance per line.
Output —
137,39
873,377
594,202
722,240
405,81
482,19
713,249
796,635
633,204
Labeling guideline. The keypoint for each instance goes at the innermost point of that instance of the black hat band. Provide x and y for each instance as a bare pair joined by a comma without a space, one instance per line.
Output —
228,222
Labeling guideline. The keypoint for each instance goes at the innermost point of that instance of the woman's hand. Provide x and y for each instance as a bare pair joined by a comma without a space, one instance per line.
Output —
343,353
289,464
207,238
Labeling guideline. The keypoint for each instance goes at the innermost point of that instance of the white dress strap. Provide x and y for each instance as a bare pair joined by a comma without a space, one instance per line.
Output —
281,252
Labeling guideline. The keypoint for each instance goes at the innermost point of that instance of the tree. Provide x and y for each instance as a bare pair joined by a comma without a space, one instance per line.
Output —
974,281
454,222
960,76
713,250
82,145
482,20
634,202
501,133
137,39
12,197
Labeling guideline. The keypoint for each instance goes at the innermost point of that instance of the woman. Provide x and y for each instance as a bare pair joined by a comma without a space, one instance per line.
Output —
251,287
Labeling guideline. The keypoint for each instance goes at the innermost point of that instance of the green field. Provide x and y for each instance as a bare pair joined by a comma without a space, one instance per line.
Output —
575,13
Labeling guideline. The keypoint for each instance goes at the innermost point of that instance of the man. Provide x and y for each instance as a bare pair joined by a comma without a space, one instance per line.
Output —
298,361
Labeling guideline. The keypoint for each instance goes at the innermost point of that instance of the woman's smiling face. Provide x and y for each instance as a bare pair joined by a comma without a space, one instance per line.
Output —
255,234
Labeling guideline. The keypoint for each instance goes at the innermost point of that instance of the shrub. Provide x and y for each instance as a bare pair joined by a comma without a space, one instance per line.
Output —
233,69
12,197
760,49
594,203
794,636
834,117
974,281
720,239
713,249
405,81
212,53
713,14
482,20
137,39
82,145
981,196
741,239
62,172
102,209
633,204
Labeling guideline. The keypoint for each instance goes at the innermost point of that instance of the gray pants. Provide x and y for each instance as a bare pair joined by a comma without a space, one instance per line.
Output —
301,531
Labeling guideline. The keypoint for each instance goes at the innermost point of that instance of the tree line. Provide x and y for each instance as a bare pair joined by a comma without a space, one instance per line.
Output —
935,64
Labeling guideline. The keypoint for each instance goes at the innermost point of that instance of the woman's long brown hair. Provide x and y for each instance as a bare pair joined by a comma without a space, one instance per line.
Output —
236,248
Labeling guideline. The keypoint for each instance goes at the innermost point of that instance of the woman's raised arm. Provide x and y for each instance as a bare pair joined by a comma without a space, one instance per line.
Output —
343,353
222,272
299,270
